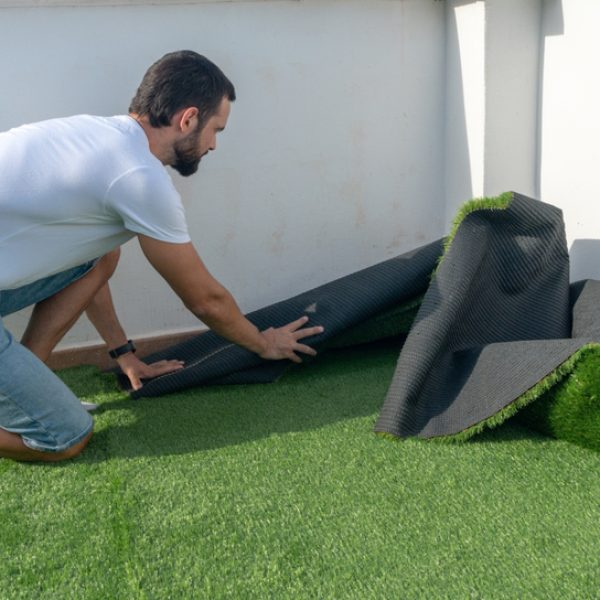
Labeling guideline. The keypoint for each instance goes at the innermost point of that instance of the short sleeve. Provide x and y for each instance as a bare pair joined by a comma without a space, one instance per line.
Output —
148,203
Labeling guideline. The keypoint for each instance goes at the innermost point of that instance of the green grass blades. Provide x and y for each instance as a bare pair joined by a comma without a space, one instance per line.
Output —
570,410
283,491
500,202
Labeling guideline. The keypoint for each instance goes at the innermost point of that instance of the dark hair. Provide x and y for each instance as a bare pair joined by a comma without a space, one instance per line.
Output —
178,80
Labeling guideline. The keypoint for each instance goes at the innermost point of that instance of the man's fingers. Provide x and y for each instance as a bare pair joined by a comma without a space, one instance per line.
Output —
168,364
297,323
294,357
172,363
283,341
295,327
136,384
307,332
165,366
305,350
300,348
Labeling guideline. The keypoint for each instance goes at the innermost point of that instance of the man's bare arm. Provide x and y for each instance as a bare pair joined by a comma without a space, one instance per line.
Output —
205,297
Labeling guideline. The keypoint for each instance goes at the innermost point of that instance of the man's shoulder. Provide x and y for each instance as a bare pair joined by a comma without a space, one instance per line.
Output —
80,126
120,124
118,142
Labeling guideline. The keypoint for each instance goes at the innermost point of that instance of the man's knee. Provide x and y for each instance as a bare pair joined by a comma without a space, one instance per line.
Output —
13,447
71,452
108,263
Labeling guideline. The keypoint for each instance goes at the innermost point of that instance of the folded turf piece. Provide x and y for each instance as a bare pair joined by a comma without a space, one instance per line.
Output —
493,332
568,407
379,301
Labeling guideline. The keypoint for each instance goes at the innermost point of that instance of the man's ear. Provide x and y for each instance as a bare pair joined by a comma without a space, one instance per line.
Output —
187,119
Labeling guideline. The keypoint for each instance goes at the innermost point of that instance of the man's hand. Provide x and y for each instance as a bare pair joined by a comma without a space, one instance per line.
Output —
283,342
136,370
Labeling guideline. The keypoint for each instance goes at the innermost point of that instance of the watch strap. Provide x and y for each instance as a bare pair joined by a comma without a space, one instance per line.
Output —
124,349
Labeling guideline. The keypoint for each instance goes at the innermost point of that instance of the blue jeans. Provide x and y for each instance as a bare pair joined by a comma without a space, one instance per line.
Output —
34,402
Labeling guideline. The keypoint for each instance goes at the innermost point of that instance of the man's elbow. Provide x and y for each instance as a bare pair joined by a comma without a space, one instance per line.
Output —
211,308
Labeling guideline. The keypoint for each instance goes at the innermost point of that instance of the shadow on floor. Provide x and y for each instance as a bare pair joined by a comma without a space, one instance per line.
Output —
342,385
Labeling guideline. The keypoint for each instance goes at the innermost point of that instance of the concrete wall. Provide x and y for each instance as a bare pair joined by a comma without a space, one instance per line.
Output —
570,125
492,71
333,159
464,116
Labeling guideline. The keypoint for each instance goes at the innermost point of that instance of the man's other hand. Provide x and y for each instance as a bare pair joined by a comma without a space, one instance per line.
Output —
136,369
284,342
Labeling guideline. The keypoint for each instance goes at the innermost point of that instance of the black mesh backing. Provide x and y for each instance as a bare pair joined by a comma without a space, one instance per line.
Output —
494,322
338,306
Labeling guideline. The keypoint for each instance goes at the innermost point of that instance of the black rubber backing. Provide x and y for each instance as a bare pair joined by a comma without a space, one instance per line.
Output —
494,322
339,306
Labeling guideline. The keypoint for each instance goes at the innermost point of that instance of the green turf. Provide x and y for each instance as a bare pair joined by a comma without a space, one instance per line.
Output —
500,202
283,491
570,409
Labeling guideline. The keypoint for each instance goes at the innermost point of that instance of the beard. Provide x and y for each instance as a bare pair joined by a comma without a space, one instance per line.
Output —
186,153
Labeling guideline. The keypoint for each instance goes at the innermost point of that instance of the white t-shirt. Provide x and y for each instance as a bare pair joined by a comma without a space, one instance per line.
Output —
73,189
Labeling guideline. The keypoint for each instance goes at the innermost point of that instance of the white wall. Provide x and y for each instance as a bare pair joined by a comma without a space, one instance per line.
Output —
492,71
464,104
570,125
334,156
522,100
512,95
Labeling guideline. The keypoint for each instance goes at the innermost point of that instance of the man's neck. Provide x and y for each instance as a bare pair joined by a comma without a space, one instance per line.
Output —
160,139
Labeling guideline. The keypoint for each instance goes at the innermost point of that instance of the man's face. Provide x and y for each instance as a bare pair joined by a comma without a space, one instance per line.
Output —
189,150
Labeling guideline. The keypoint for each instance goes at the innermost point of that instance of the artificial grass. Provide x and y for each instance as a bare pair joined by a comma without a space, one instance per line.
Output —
565,404
570,408
283,491
390,323
500,202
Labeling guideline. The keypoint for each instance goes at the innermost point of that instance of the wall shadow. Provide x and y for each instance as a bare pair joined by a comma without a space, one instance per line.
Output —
584,257
457,184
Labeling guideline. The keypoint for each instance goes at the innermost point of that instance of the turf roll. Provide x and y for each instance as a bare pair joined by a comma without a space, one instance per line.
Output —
569,408
373,303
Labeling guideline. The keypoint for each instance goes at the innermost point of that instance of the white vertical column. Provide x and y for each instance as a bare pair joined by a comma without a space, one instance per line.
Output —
465,102
512,46
492,71
570,126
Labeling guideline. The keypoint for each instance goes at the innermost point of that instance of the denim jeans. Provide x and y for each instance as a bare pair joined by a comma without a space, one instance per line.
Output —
34,402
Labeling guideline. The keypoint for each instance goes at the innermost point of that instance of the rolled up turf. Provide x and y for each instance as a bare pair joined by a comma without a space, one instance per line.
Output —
494,326
372,303
568,404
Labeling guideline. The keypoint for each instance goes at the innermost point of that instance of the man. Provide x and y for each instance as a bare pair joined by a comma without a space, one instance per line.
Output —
72,191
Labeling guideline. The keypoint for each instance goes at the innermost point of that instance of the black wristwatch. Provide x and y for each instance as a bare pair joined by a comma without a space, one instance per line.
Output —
124,349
